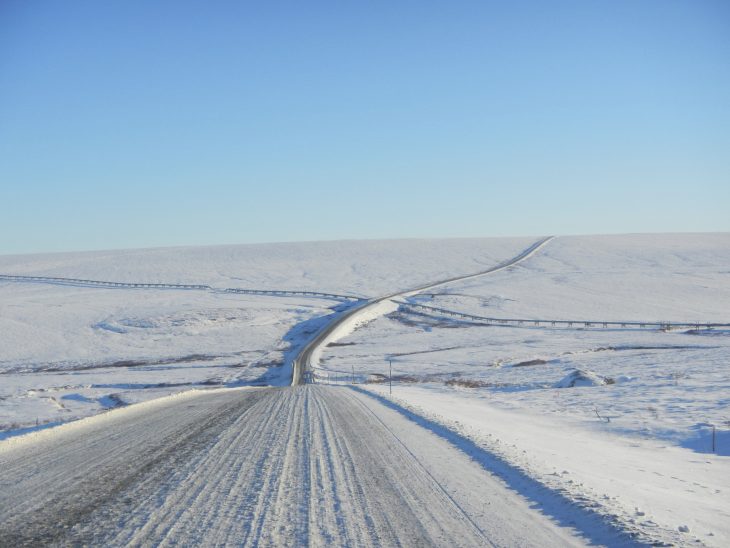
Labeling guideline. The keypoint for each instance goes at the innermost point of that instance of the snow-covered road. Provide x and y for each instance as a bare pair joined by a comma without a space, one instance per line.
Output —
308,464
308,357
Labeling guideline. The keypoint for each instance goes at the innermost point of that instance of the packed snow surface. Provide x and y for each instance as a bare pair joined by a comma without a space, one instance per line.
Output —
306,465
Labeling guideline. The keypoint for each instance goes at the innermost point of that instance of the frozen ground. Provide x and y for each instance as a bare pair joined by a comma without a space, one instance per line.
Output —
69,352
631,441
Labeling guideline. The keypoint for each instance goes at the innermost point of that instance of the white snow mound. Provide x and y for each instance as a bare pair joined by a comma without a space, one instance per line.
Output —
580,377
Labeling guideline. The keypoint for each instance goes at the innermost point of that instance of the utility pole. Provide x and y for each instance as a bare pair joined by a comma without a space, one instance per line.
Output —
390,376
353,373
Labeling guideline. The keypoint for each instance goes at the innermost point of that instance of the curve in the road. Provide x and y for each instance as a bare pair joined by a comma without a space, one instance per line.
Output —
303,361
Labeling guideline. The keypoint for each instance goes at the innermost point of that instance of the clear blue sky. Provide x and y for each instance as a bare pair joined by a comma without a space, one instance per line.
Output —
146,123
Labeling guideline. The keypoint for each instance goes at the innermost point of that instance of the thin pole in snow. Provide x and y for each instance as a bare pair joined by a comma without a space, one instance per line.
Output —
390,376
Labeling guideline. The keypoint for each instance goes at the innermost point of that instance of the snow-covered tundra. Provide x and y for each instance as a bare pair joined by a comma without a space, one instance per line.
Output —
628,423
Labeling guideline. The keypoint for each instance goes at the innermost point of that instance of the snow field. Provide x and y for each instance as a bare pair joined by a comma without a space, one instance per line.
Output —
634,444
68,352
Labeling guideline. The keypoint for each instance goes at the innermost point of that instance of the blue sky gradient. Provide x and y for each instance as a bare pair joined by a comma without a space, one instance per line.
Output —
139,124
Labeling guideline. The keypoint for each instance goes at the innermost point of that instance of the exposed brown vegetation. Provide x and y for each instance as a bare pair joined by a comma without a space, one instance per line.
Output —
529,362
468,383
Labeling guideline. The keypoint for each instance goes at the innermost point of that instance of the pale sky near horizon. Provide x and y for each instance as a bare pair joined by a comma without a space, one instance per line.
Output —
138,124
